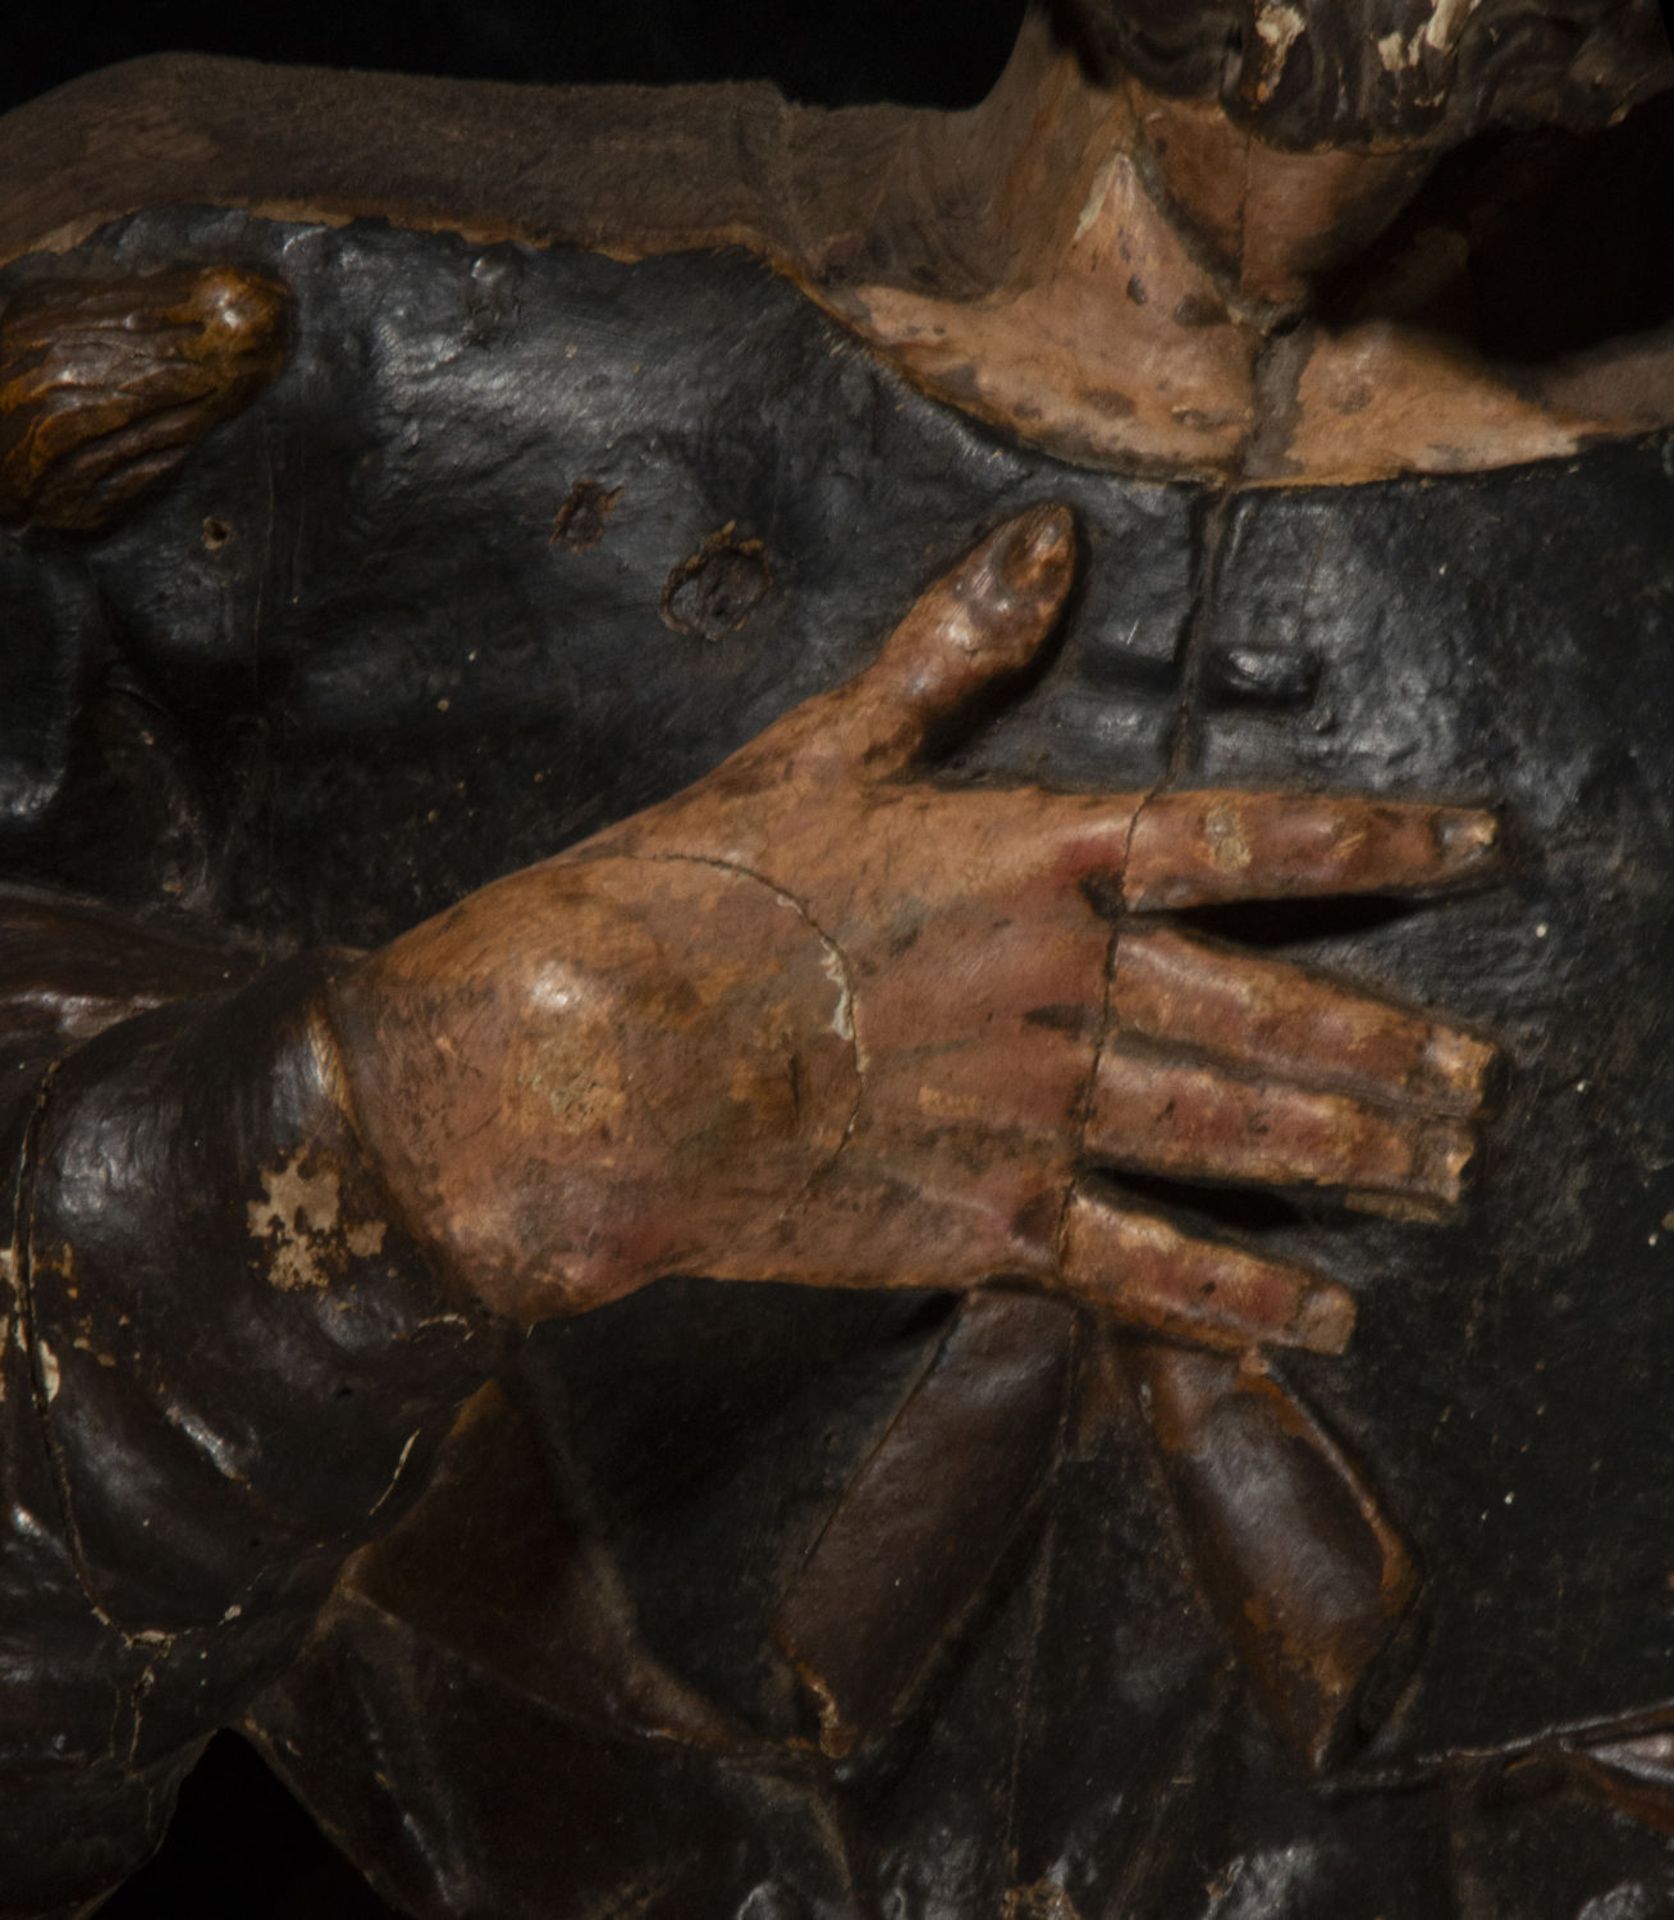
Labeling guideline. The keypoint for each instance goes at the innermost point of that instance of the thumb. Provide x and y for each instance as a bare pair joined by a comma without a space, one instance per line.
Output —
979,624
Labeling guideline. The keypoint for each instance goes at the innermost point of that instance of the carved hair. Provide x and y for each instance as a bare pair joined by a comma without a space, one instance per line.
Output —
1308,73
106,387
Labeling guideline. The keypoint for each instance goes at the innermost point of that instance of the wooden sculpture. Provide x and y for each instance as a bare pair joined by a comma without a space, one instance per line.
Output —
1034,731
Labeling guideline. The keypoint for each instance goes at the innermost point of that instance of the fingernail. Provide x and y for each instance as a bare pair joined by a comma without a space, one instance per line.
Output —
1324,1321
1468,837
1454,1069
1037,543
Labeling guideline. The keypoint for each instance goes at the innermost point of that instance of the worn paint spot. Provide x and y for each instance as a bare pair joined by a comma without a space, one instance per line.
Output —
365,1239
54,1259
298,1216
574,1079
295,1201
400,1468
842,1021
1223,830
50,1377
1093,206
1278,27
1446,22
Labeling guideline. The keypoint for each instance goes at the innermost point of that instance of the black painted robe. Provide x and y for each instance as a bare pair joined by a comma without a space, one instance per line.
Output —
350,663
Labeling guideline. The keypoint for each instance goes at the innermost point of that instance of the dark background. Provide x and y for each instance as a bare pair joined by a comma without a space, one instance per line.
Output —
240,1847
924,52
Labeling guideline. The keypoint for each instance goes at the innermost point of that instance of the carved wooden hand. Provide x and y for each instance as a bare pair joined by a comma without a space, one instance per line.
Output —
817,1019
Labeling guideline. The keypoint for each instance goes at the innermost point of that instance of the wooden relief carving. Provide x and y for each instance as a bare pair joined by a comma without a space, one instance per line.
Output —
105,389
834,955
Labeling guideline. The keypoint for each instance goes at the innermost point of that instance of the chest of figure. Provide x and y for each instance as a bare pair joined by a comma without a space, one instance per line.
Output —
520,542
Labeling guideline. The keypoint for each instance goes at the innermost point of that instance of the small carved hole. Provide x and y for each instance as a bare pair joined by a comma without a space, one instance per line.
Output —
585,514
216,533
714,591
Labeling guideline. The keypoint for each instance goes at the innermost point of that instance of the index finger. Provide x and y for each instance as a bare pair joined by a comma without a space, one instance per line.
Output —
1201,849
